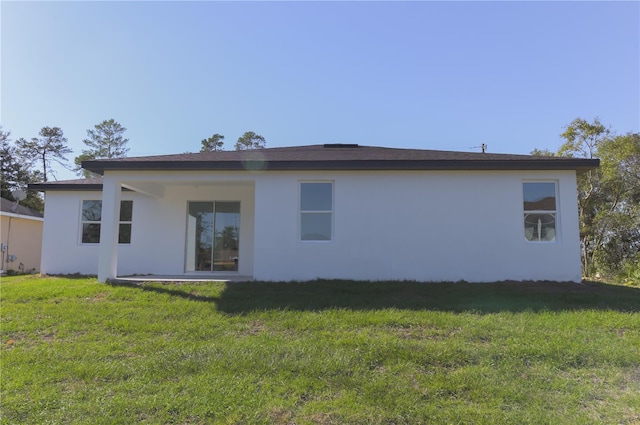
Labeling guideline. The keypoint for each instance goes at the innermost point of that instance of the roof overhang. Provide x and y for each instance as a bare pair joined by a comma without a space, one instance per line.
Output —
579,165
520,164
64,186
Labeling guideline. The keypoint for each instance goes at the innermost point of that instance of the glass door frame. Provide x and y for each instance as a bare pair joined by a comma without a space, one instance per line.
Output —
232,236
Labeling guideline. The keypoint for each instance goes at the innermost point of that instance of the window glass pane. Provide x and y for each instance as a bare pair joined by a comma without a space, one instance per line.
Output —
315,226
126,210
540,227
91,210
539,196
316,197
90,233
200,236
227,207
124,236
226,236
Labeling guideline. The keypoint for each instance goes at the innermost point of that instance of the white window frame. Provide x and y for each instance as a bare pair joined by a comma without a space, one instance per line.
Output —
556,212
129,222
83,222
330,212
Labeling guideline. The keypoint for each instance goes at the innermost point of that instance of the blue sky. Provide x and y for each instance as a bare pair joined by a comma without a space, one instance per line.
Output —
430,75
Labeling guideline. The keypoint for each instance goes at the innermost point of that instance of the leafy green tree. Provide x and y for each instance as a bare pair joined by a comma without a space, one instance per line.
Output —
213,143
621,157
49,147
582,141
608,197
105,140
620,176
250,140
542,152
583,138
11,171
15,174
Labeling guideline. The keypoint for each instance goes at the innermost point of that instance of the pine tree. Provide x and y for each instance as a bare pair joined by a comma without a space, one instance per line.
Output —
105,140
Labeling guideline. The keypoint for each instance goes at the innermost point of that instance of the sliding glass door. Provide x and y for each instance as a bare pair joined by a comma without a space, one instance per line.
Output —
226,236
213,236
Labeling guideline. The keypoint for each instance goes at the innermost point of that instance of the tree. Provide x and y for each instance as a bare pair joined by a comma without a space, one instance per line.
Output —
250,140
583,138
620,176
11,170
105,140
608,197
542,152
15,174
213,143
621,156
50,147
84,156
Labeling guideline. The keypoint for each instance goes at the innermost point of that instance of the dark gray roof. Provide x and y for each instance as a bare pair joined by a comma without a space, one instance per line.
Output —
321,157
15,208
340,157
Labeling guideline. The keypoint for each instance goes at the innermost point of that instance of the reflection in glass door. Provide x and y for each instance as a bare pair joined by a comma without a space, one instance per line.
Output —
226,236
213,236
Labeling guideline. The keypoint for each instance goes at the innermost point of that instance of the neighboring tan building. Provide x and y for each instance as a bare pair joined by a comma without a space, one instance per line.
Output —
333,211
21,237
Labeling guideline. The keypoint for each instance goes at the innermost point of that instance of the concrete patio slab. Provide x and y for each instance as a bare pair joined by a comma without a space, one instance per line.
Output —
183,278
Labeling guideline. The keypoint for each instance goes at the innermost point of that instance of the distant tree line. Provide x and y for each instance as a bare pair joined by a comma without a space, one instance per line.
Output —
608,198
32,161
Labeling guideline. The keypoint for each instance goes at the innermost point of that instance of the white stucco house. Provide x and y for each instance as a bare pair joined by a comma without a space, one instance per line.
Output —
339,211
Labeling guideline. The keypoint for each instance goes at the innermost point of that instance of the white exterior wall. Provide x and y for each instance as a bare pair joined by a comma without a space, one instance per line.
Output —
158,231
422,225
425,226
62,250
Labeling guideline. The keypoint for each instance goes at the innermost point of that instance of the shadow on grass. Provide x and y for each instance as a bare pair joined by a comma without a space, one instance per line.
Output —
167,290
245,297
78,276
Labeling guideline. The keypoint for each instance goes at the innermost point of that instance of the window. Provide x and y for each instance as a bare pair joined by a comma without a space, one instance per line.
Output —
92,215
539,211
316,211
126,215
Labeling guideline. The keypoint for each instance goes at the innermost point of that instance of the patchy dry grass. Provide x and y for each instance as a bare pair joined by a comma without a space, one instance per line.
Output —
76,351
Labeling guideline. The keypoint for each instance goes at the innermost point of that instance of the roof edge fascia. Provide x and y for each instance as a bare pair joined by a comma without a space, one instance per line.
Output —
363,165
93,187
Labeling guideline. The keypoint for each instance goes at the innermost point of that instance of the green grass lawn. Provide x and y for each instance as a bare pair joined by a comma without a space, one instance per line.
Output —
76,351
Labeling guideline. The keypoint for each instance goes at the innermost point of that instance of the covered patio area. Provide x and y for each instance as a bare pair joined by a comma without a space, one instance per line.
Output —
185,227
